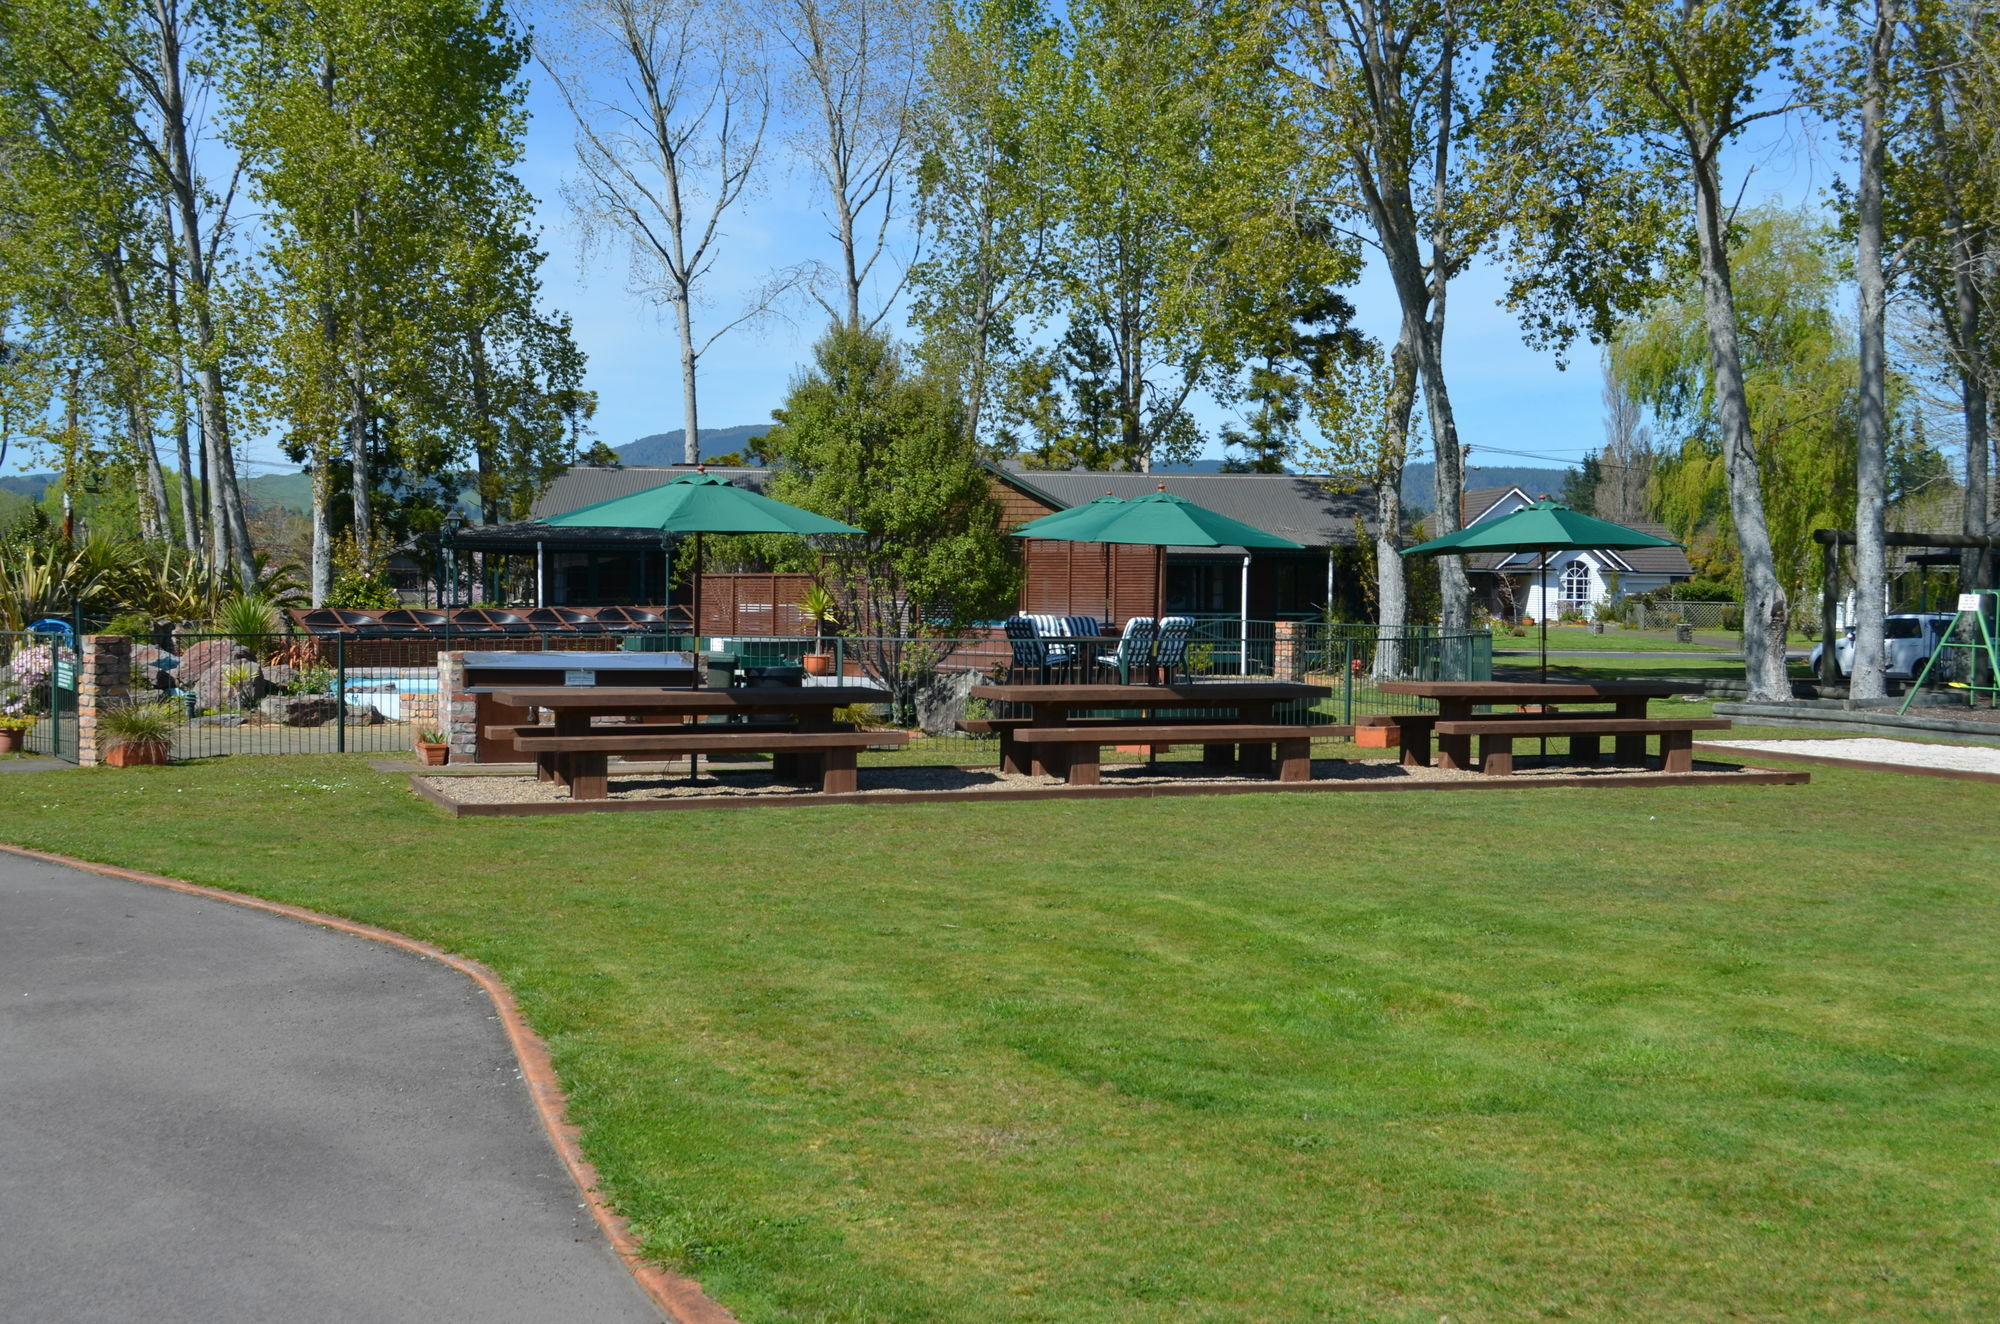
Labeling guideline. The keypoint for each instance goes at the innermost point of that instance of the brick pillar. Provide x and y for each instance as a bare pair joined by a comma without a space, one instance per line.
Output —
103,680
456,714
1288,659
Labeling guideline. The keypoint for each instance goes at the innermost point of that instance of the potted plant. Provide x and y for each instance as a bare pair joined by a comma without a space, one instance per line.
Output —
141,732
434,748
819,604
14,733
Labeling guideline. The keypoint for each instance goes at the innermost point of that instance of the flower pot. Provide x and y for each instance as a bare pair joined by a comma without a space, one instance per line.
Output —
817,664
11,741
138,753
434,755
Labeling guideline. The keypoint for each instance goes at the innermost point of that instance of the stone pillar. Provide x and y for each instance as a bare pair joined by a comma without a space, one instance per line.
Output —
103,680
457,714
1288,655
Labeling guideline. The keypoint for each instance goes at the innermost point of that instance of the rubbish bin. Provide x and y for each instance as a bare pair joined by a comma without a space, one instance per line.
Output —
771,677
719,670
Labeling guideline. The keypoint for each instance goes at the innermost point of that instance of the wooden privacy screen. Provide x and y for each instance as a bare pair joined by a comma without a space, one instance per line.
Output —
1111,581
758,605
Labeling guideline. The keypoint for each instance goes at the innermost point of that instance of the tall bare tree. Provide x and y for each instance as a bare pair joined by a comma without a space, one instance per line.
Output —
1872,432
853,70
672,99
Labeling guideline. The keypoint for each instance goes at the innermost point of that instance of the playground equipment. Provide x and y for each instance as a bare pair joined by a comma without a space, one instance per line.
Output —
1978,672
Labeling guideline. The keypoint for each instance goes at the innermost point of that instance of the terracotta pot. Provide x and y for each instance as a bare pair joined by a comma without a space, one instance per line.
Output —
138,754
817,664
11,741
434,756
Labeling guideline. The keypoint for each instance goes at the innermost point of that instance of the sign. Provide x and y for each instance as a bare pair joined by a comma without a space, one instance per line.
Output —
579,677
65,675
1970,602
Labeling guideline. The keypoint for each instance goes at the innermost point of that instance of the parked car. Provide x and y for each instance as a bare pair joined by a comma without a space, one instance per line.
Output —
1908,640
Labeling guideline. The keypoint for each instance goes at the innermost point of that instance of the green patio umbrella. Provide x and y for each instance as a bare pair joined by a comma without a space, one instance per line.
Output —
1158,519
696,504
1545,527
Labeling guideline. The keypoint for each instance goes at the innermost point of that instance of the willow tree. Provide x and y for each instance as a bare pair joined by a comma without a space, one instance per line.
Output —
1800,378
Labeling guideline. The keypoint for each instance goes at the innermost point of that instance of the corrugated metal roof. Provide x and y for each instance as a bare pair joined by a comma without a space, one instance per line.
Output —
1291,506
586,485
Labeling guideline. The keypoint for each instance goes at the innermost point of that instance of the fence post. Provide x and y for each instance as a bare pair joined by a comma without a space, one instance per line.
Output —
103,680
1347,681
340,693
1287,660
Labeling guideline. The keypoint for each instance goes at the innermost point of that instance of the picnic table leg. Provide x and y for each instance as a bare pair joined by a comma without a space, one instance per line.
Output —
1254,759
587,777
1585,749
839,776
1677,751
1081,764
1295,760
545,767
1496,755
1454,752
1414,735
1630,750
1219,756
1010,754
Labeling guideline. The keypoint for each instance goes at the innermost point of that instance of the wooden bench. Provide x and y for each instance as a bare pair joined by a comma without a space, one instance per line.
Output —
1498,733
1413,730
578,761
1071,752
1013,757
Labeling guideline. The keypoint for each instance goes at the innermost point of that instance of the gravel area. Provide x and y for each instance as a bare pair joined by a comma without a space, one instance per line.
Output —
1956,758
490,789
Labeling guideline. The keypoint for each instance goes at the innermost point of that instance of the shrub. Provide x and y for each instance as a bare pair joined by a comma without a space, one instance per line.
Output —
249,619
355,591
136,624
30,671
311,678
148,722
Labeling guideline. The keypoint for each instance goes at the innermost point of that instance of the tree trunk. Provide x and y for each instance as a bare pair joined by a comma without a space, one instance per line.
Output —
1873,423
1765,614
192,518
486,449
690,413
1392,602
322,530
230,539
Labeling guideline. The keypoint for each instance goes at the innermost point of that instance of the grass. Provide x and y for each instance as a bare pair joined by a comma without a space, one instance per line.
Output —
1637,1054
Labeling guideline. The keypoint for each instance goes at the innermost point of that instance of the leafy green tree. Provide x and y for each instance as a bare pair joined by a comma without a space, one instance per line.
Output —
1656,93
861,440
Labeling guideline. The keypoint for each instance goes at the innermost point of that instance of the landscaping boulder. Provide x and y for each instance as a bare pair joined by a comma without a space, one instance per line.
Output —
209,655
232,687
220,719
300,709
280,677
942,700
362,714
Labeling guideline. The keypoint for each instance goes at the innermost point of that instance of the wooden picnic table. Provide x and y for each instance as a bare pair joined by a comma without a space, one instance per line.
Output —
574,751
1051,709
1457,698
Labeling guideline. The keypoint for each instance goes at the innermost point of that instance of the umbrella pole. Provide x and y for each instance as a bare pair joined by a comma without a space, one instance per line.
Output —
694,597
1544,614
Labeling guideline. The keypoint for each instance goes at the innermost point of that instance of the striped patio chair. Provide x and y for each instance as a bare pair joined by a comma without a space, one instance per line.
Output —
1135,649
1049,629
1172,656
1030,654
1081,627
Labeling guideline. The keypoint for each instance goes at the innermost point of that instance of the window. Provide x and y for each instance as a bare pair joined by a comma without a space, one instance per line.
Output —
1576,584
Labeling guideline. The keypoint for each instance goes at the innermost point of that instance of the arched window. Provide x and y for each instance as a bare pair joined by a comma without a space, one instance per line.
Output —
1576,584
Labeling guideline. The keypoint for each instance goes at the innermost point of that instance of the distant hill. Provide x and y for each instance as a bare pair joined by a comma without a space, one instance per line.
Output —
667,447
1417,481
286,491
30,486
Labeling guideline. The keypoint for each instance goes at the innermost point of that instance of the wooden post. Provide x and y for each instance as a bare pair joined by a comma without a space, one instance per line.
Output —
1829,581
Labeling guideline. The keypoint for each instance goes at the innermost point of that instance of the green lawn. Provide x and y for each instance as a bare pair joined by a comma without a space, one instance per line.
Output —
1612,1054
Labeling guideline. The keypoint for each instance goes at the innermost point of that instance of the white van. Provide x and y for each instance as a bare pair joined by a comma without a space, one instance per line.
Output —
1908,640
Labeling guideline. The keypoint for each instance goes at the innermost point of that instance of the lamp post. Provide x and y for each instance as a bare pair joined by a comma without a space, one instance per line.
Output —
448,568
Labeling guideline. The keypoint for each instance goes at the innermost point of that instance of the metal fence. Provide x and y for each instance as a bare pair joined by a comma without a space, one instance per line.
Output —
302,694
1644,614
38,685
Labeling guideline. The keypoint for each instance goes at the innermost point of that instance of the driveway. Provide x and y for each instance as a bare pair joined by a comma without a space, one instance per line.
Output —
212,1114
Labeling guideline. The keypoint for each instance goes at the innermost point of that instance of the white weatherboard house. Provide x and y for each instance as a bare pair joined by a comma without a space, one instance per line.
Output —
1577,581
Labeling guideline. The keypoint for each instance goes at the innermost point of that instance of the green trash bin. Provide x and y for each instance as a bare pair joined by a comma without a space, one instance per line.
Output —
719,670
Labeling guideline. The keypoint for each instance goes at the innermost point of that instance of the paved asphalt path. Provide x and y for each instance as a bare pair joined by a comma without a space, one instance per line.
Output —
212,1114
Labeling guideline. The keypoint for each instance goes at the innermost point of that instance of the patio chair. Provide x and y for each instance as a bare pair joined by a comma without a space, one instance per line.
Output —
1172,656
1029,652
1135,648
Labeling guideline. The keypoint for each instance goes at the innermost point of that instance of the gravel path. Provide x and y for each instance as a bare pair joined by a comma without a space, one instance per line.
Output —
1956,758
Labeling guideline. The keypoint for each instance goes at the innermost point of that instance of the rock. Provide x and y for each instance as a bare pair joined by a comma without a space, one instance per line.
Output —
362,714
942,700
280,677
299,709
149,655
209,655
215,689
220,719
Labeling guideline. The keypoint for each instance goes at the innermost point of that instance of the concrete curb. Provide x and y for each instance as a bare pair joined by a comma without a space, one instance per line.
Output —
679,1298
